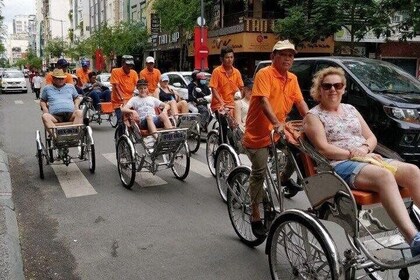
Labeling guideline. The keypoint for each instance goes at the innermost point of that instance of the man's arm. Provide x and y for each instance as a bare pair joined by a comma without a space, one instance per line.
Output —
269,113
44,106
302,108
216,95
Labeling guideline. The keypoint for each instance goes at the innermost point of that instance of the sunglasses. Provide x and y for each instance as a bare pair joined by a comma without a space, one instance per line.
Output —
328,86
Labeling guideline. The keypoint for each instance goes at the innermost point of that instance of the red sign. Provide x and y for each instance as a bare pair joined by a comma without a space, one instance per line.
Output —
201,51
99,60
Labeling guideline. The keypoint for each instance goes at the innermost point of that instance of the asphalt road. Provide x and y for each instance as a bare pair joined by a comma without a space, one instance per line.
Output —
161,229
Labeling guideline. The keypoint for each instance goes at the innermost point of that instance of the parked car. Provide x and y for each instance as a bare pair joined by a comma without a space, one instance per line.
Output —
13,81
387,97
104,79
180,80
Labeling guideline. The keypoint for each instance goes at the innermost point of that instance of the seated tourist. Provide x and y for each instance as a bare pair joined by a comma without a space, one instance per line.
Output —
170,96
143,109
340,133
60,102
97,91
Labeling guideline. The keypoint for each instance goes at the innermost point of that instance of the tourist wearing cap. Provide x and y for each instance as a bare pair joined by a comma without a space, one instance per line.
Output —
83,73
274,93
63,102
143,110
170,96
61,64
123,82
225,81
151,75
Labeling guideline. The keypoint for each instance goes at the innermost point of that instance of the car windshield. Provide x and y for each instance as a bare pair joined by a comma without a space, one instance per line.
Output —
13,74
383,77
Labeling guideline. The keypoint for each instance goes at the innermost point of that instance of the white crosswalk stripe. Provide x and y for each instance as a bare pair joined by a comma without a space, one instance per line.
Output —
18,102
144,179
200,168
72,180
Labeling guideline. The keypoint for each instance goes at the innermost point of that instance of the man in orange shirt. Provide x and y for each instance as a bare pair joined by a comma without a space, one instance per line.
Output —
275,92
151,75
61,64
225,81
83,73
123,80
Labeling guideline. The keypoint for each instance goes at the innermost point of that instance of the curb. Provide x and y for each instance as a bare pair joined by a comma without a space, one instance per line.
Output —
11,266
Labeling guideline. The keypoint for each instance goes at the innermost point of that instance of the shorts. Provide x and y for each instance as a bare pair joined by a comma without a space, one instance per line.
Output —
63,117
348,170
156,120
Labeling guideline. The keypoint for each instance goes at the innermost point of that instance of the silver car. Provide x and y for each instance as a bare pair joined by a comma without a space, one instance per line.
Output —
13,81
104,79
180,81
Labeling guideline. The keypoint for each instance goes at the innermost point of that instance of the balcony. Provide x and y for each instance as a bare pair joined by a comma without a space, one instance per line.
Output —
244,22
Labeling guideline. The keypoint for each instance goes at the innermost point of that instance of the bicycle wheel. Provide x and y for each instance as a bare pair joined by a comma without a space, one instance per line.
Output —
225,162
40,157
126,163
299,250
181,166
239,206
194,139
90,154
113,120
211,146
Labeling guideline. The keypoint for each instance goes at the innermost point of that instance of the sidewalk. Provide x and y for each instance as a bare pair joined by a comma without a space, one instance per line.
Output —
11,267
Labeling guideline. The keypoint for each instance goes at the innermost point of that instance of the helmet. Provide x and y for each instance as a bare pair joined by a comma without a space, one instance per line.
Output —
62,63
201,76
194,75
85,63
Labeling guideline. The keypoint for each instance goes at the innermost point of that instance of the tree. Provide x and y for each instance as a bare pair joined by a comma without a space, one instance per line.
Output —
55,47
124,38
323,18
179,16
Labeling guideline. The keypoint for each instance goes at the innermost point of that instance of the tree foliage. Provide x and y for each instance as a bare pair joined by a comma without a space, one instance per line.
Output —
56,47
2,31
310,20
180,15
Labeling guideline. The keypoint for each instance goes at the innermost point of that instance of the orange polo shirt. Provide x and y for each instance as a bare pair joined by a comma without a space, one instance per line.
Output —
282,93
83,76
225,85
127,83
49,79
152,78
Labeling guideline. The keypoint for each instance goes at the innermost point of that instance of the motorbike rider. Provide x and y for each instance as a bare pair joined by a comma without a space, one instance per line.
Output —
199,90
96,90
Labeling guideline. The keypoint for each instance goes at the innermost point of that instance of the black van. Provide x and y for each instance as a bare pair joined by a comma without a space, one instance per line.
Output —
387,97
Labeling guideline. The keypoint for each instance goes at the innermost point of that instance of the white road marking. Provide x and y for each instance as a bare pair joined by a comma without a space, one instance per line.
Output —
36,101
144,179
72,181
18,102
200,168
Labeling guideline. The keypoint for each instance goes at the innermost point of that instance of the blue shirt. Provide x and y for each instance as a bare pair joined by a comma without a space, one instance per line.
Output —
60,100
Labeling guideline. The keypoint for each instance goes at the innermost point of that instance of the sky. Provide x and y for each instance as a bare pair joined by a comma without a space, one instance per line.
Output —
16,7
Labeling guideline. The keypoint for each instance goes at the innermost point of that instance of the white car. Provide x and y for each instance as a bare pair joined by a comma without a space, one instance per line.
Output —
104,78
180,80
13,81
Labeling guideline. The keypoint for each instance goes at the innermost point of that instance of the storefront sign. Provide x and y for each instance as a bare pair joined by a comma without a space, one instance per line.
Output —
321,46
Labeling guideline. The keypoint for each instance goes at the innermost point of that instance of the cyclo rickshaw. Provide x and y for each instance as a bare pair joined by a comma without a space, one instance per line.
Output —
104,113
137,150
299,245
57,145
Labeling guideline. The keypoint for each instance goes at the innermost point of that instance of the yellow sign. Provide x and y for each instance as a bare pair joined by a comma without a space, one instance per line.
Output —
260,43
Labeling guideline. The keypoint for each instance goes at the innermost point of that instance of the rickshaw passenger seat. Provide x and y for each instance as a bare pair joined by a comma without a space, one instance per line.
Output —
361,197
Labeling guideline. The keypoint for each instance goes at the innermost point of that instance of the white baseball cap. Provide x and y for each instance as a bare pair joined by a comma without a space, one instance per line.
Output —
150,59
284,45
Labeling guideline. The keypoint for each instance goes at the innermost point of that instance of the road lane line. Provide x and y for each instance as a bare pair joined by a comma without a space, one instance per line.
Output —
18,102
200,168
72,181
144,179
